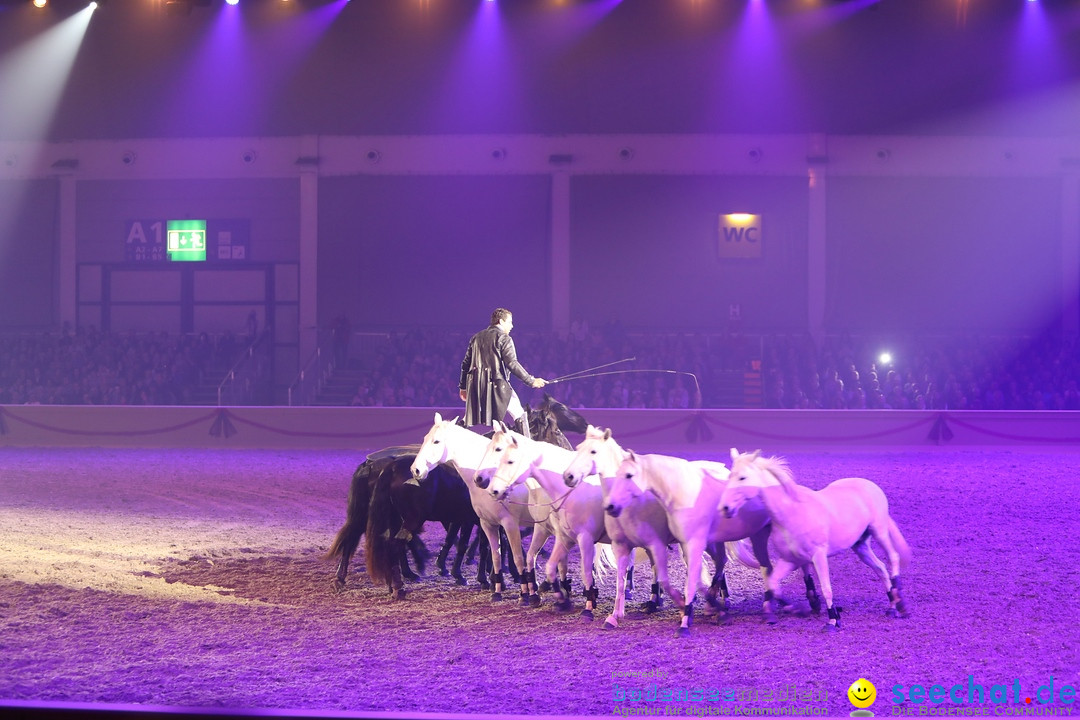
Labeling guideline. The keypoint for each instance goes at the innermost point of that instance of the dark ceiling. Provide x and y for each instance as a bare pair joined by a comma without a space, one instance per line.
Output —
1005,67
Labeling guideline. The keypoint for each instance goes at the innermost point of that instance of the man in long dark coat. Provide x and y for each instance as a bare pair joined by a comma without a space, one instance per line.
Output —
485,375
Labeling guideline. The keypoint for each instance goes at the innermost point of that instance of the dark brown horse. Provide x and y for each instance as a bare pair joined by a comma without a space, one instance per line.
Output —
400,505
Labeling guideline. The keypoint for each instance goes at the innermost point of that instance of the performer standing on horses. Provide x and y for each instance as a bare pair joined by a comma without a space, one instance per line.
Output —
485,375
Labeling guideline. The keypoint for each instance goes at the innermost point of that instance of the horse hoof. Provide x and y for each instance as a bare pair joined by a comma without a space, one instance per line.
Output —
545,586
830,628
650,607
564,606
496,596
682,632
443,572
339,586
771,619
525,602
587,615
608,625
534,600
484,585
400,594
458,580
723,619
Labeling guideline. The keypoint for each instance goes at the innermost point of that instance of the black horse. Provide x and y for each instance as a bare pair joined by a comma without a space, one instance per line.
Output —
356,520
400,505
546,422
399,508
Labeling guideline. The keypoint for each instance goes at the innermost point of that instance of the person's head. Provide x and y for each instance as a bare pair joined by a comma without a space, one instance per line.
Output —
503,319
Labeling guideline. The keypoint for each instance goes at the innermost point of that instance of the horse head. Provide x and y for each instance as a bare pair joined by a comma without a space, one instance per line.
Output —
567,419
627,484
544,426
749,474
598,454
515,464
498,443
435,448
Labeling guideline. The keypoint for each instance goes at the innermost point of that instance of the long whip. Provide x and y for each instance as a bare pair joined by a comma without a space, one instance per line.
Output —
582,373
697,385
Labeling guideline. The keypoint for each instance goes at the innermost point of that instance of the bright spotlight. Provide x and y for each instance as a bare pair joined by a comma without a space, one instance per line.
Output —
232,2
885,358
40,3
93,5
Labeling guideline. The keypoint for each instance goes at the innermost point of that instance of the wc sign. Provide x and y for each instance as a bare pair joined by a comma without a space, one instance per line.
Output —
740,236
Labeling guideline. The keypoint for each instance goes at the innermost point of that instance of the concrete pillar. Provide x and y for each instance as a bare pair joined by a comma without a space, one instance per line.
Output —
560,251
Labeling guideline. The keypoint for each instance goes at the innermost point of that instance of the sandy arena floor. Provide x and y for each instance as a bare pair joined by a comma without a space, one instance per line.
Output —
196,578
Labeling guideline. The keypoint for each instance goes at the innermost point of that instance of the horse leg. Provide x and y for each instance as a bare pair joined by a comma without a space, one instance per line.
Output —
587,547
507,553
624,555
518,570
658,555
402,551
464,532
452,530
555,567
491,532
342,570
866,554
780,570
419,552
811,592
483,565
692,552
539,536
899,608
716,597
759,541
474,547
629,580
397,587
821,566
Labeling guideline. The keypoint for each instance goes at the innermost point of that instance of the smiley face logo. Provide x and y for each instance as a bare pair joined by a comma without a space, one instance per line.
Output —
862,693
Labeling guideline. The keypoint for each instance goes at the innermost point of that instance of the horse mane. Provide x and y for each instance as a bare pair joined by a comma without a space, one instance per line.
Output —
779,469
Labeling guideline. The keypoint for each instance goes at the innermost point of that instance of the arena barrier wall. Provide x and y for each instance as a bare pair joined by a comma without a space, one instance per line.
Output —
368,428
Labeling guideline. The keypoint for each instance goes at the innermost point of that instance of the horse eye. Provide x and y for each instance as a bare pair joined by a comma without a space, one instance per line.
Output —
629,476
436,442
509,462
592,452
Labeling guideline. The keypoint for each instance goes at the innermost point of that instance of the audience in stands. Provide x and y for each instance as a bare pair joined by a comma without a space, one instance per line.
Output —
89,367
420,368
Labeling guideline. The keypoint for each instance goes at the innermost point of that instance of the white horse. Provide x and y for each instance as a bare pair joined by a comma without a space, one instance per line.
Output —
690,494
810,525
576,515
642,523
448,442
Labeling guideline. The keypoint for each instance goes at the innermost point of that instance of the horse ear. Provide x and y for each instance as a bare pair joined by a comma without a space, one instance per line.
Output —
607,433
438,416
734,454
757,453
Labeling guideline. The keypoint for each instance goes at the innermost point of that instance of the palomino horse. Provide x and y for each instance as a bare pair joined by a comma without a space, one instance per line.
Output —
641,523
463,449
577,517
811,525
690,494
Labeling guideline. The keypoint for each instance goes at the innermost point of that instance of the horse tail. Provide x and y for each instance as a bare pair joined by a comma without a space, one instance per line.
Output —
604,562
379,547
356,514
901,545
742,552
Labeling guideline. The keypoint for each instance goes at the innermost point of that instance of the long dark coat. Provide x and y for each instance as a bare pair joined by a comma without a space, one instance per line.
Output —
490,358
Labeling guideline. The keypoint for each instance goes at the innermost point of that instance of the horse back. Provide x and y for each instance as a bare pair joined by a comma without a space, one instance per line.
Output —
853,505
